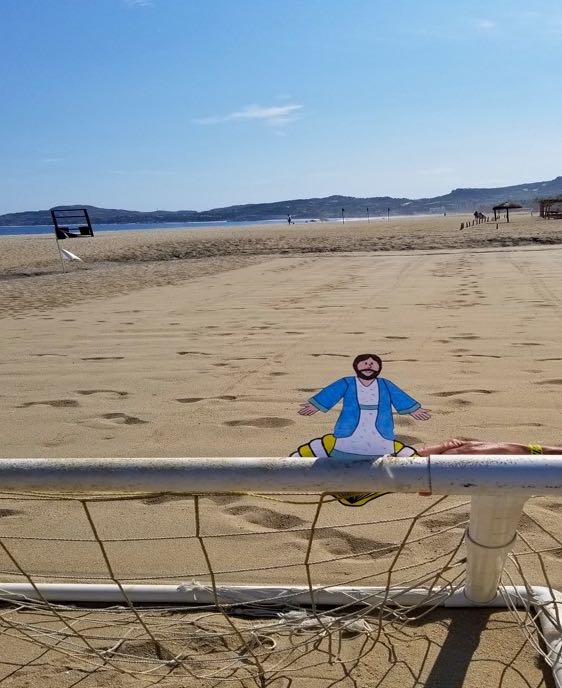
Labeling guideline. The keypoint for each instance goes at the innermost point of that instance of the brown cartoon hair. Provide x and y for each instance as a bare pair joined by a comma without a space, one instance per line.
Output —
364,357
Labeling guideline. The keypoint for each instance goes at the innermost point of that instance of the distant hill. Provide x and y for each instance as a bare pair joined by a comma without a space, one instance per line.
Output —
458,200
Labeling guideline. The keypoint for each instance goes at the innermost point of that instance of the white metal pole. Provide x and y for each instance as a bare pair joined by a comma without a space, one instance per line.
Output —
491,534
546,602
60,255
518,476
275,595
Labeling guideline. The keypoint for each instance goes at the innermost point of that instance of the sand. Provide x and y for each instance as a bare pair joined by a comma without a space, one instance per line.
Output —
205,343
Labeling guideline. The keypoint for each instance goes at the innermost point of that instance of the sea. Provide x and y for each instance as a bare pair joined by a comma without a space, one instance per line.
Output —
18,230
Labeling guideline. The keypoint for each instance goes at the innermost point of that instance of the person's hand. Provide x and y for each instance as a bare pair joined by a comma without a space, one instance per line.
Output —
307,409
421,414
474,447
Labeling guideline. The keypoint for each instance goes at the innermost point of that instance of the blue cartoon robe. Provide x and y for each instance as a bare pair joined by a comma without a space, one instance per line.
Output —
345,389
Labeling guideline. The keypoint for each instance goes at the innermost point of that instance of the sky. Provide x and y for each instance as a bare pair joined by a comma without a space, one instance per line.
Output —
198,104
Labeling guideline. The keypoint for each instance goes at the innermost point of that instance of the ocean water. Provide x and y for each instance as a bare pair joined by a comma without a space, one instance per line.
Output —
17,230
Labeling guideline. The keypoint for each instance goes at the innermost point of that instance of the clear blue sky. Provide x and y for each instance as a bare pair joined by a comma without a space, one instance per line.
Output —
194,104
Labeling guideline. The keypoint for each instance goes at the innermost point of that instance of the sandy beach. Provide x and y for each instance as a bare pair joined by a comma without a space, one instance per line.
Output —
204,343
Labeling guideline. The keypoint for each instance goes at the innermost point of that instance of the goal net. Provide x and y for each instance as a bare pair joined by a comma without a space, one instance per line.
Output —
199,582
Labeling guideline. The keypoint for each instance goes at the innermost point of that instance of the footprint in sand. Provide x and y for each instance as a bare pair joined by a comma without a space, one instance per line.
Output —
445,521
267,422
164,498
334,355
114,392
556,381
4,513
55,403
410,440
463,391
265,517
307,389
193,400
339,543
123,419
103,358
222,500
483,356
553,506
462,402
62,355
396,337
189,353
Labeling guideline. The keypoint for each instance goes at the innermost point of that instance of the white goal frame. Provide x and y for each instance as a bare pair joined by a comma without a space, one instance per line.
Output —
498,486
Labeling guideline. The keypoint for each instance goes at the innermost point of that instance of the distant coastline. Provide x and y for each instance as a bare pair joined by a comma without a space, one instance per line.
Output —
45,230
326,209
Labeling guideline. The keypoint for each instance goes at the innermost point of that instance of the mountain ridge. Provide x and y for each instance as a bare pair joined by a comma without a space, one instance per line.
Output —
458,200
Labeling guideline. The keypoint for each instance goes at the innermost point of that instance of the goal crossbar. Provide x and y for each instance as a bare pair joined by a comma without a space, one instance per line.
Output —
442,474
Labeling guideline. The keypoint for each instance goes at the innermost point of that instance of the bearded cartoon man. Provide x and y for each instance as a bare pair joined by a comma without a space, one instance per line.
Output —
365,427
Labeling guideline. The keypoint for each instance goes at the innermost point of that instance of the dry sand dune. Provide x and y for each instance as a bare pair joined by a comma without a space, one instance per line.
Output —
212,354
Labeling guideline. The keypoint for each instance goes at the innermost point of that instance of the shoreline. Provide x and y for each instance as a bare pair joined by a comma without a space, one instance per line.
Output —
223,224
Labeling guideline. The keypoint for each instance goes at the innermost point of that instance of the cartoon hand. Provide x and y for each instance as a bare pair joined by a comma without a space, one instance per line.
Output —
307,409
421,414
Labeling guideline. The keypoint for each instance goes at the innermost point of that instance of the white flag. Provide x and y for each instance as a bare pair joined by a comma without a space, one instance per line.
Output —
67,255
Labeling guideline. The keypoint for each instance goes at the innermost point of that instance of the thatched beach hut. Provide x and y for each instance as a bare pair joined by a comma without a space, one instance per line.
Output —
551,208
507,206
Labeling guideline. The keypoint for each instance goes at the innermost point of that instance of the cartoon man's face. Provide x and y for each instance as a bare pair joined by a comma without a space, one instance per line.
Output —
367,369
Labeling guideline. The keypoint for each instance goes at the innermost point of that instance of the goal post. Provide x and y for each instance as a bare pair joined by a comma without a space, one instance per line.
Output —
498,487
521,476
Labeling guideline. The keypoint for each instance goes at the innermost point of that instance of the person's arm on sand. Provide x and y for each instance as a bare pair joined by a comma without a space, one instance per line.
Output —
477,447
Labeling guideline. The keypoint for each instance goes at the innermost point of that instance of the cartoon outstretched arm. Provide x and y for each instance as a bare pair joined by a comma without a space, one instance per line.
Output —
405,404
326,399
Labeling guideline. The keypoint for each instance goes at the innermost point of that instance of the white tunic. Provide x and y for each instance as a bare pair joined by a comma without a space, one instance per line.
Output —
366,440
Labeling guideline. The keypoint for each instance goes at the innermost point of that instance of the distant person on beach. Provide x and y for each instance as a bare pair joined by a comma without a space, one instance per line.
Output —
289,219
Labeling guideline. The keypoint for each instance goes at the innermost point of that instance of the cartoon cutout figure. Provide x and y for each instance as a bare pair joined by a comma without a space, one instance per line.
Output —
365,426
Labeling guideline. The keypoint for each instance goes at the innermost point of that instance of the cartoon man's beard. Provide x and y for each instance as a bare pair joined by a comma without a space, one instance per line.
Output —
367,374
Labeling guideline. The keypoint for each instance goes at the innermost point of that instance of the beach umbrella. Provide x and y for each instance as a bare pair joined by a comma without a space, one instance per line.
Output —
505,206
